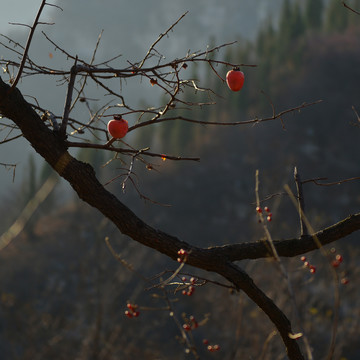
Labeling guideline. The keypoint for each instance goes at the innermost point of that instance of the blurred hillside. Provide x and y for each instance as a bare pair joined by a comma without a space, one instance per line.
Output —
63,294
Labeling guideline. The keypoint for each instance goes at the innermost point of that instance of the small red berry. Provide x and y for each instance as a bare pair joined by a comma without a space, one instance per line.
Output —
210,348
306,264
194,322
335,264
183,279
266,209
344,280
303,258
129,306
216,347
258,209
184,292
312,269
269,218
186,327
339,258
153,82
128,314
118,127
190,291
192,280
235,79
205,341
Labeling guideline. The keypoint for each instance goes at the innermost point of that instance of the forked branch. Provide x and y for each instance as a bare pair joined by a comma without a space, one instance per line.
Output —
28,43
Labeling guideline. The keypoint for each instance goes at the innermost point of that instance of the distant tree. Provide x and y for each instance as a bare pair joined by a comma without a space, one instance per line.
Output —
266,54
285,28
353,16
313,14
336,19
297,26
265,41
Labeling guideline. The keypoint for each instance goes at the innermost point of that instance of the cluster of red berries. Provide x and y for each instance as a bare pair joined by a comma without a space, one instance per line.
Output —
267,210
132,310
191,324
190,290
211,348
311,268
183,254
336,263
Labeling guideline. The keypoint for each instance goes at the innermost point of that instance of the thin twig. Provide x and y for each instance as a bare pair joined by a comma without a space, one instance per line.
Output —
85,77
301,202
127,151
351,9
325,253
316,181
159,38
27,47
10,166
65,118
356,113
235,123
282,269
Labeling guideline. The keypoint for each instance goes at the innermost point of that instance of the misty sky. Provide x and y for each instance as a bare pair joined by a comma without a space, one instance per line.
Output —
127,31
19,11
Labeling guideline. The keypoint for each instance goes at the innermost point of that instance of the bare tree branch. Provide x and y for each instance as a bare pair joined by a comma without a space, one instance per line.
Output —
350,8
28,43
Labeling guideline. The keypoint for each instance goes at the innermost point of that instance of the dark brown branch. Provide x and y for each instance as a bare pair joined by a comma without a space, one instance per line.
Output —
290,247
242,280
108,147
316,181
